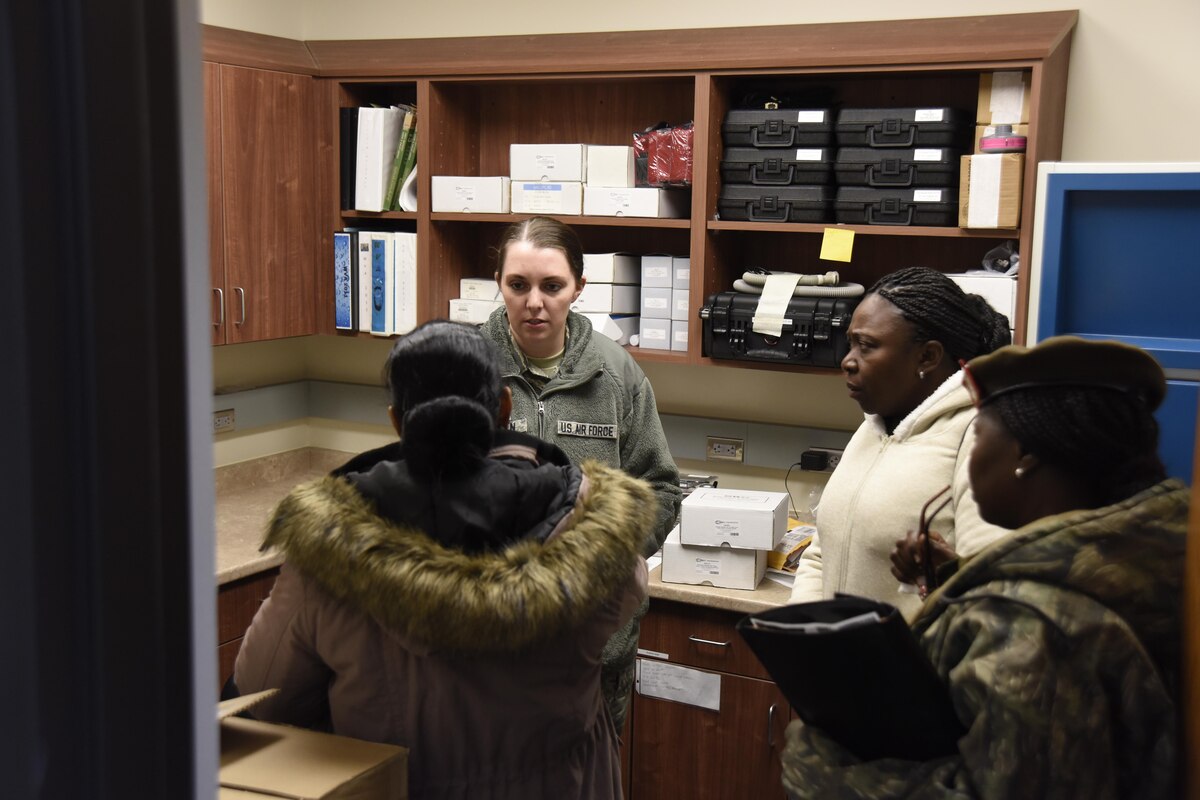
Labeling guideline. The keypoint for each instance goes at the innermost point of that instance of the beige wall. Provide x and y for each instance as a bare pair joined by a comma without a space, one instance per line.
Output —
1131,97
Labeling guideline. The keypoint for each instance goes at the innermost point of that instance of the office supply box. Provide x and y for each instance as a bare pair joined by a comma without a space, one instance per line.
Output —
465,193
554,197
606,201
723,567
735,517
813,334
547,162
990,190
612,267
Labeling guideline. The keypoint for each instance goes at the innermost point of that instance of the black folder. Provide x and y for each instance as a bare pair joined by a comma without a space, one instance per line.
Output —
852,668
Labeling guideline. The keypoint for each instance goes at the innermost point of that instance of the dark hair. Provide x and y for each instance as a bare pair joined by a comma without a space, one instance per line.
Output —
1108,438
938,308
445,388
543,233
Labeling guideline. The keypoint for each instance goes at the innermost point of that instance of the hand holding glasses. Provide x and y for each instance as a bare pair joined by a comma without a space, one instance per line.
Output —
916,557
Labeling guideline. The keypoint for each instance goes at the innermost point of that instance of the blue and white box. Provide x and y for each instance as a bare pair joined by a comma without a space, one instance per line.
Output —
345,269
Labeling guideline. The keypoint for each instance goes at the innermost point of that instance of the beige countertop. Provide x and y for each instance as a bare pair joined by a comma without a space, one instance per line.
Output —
247,494
768,595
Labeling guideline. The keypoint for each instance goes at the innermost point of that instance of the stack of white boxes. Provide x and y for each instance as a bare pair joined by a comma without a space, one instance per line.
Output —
610,297
657,302
610,190
470,194
723,537
477,299
547,178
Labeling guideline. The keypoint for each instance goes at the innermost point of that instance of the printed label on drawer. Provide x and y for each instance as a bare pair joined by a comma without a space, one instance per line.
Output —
929,114
927,195
680,684
708,566
927,154
810,116
809,154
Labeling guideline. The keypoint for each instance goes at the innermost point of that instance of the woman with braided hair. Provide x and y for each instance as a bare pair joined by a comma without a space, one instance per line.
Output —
906,339
1059,643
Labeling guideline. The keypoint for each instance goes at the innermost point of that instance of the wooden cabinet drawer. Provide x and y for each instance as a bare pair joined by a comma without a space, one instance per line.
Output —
699,637
237,603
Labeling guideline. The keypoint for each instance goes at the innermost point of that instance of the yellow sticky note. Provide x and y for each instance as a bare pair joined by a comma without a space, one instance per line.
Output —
837,244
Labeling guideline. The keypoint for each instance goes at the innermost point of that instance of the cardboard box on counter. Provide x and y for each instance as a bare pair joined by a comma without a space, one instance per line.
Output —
1003,97
989,194
723,567
265,760
736,517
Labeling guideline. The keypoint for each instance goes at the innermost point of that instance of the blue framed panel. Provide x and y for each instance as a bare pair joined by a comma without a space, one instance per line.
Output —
1120,259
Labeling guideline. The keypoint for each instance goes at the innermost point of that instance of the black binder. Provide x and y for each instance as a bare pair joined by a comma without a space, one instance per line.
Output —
863,681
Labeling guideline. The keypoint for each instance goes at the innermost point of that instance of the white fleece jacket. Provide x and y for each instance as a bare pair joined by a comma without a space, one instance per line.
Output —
874,497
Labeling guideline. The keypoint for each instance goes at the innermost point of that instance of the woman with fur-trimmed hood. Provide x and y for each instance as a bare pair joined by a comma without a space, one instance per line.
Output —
452,592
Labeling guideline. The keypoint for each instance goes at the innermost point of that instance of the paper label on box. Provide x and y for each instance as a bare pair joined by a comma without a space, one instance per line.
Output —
810,116
707,566
539,197
809,154
1007,98
983,204
465,193
656,272
655,302
546,161
930,114
656,334
927,154
681,336
681,684
927,195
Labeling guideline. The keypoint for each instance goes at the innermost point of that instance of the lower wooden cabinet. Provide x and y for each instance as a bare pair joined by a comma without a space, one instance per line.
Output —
680,750
237,603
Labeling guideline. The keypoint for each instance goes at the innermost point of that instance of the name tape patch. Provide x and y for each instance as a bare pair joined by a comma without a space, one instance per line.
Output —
591,430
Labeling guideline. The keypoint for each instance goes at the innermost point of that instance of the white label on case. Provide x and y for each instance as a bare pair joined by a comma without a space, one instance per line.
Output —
930,114
927,195
811,154
927,154
810,116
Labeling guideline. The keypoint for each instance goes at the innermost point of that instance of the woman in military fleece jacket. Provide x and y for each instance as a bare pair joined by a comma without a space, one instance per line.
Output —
578,390
452,593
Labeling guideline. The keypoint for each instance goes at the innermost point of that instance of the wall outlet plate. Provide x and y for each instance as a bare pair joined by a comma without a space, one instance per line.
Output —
822,459
722,448
223,421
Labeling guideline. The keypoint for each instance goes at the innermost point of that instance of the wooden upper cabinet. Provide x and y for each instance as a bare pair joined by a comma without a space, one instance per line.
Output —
216,214
262,180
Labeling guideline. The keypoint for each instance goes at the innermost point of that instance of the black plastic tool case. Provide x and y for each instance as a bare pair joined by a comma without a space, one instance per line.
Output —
775,203
871,206
760,166
777,127
814,336
902,127
897,167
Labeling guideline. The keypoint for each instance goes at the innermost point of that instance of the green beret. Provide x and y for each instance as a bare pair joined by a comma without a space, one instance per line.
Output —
1067,361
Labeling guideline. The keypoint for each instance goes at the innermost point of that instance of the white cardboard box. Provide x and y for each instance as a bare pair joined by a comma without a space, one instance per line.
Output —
547,162
656,271
607,298
455,193
554,197
478,289
723,567
475,312
610,165
736,517
654,334
679,334
618,327
612,267
679,304
681,272
656,303
999,290
605,201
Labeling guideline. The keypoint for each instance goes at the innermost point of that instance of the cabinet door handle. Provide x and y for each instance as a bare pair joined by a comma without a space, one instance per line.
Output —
220,307
241,293
698,640
771,725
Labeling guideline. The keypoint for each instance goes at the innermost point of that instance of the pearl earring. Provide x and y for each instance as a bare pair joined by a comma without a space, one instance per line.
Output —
921,374
1019,472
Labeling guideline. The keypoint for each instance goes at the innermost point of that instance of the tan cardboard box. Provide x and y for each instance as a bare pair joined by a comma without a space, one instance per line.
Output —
263,760
989,193
990,130
1003,98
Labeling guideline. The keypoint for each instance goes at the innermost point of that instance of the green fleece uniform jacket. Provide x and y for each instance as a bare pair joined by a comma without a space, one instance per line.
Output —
1061,648
600,406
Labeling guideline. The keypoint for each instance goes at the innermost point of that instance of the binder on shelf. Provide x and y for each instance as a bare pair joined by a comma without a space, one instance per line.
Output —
362,245
378,134
405,303
382,283
852,668
401,161
345,280
348,154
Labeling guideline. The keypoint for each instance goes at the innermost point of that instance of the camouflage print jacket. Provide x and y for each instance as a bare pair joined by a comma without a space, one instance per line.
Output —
1061,646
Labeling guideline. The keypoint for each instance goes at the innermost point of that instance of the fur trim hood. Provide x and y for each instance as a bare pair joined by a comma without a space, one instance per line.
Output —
498,601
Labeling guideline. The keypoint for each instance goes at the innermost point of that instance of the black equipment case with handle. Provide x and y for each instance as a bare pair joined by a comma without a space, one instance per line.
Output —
897,167
857,205
745,203
903,127
807,166
814,334
777,127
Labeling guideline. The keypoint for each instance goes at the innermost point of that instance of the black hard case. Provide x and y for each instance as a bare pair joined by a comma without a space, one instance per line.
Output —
744,203
897,167
902,127
856,205
816,336
777,127
758,166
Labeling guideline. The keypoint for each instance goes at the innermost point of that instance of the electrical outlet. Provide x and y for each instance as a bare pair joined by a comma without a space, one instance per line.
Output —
820,459
223,421
721,448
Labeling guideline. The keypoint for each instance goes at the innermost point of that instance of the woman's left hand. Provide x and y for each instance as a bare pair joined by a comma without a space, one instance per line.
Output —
908,553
